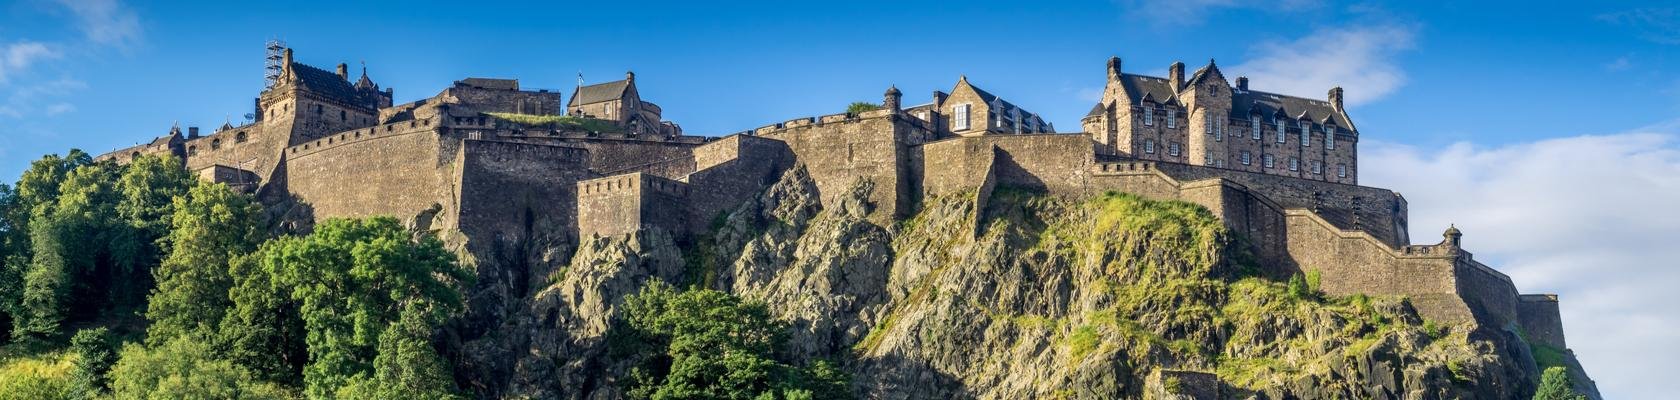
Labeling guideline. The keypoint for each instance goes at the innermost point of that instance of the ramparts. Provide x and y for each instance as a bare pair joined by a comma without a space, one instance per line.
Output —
622,204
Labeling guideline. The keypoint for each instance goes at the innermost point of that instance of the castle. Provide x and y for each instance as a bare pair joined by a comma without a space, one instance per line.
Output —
502,165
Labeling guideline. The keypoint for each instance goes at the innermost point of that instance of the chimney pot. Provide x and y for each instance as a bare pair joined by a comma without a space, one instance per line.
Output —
192,132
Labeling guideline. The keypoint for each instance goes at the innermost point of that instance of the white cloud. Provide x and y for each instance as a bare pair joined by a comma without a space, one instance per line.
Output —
1592,218
1619,64
17,57
59,108
42,98
1360,59
106,22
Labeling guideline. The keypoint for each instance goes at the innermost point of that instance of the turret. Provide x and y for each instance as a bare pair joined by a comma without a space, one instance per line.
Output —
1452,237
891,101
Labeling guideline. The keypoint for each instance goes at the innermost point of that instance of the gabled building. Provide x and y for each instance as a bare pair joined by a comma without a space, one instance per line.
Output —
619,102
1204,120
971,111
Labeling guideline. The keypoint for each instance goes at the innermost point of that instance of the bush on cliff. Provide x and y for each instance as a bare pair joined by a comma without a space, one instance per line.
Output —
710,344
1556,385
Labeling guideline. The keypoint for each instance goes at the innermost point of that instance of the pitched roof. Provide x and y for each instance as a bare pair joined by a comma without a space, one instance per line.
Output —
1268,104
323,82
1203,72
1139,87
600,92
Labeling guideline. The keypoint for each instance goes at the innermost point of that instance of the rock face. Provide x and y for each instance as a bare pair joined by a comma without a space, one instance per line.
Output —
1112,297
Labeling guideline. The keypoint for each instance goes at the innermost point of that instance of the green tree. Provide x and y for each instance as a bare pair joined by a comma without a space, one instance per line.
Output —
147,190
36,191
210,226
407,365
353,278
716,346
1556,385
184,369
94,355
263,330
861,106
77,244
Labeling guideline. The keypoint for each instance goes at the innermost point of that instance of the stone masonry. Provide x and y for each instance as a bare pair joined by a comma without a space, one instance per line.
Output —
1270,166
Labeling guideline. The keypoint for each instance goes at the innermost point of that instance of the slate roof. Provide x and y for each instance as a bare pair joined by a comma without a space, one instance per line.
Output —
324,82
1160,90
1268,104
600,92
492,83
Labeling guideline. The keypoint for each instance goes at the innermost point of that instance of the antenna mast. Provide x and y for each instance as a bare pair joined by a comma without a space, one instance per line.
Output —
271,65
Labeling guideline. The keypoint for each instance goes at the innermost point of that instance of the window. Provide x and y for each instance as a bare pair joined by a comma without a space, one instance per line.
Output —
1294,164
1317,167
1267,161
1172,117
1207,159
215,144
1329,137
1207,123
1149,146
1148,115
1220,163
1254,123
1219,132
318,109
239,137
342,116
1172,149
1280,131
1341,170
1306,135
959,118
1245,160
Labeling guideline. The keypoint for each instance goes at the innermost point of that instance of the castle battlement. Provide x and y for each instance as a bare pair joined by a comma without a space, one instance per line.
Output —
458,161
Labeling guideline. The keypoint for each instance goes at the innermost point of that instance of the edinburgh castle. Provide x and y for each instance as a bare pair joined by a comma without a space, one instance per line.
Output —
501,167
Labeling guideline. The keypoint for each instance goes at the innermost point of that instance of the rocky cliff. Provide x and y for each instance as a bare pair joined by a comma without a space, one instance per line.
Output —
1031,297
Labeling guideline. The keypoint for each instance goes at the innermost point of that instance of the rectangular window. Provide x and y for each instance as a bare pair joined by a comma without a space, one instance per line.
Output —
1280,132
1207,159
1219,132
1268,161
1172,118
1219,163
1148,116
1306,134
1172,149
1294,164
1254,123
1317,167
1341,170
1245,159
1329,137
959,119
1207,123
1149,146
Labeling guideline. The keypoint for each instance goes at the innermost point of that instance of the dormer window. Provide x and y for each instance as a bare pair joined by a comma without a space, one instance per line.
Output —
1329,137
1172,117
1306,135
1254,123
1280,130
1148,116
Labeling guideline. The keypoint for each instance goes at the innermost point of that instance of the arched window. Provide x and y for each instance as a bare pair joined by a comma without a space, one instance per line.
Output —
192,150
239,137
134,155
215,144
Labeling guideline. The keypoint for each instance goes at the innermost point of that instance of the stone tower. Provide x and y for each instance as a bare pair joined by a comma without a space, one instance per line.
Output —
1207,98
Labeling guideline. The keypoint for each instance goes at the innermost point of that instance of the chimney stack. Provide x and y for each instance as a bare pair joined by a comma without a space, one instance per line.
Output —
1336,98
630,76
344,72
1114,68
192,132
1176,74
1242,83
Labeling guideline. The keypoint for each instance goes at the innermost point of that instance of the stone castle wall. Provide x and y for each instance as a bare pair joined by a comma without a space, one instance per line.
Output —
623,204
509,192
1540,320
391,169
838,150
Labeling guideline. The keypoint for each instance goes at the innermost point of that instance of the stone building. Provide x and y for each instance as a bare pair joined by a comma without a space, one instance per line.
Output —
620,102
507,173
1204,120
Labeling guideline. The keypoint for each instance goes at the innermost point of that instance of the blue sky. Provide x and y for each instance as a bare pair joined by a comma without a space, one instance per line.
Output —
1451,98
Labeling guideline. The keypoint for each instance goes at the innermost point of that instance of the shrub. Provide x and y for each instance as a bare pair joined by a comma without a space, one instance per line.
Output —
94,356
861,106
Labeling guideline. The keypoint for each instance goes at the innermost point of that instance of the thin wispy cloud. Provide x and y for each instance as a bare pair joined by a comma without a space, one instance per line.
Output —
1660,25
105,22
44,98
1363,60
1591,218
20,56
1194,12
